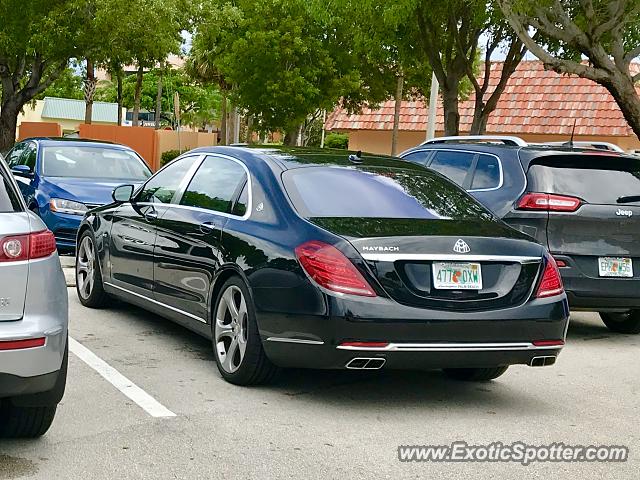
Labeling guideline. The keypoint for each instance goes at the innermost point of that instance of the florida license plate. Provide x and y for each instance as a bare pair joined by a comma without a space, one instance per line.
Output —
615,267
457,276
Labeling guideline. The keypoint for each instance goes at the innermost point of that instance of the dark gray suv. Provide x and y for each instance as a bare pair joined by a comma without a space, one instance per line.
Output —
584,205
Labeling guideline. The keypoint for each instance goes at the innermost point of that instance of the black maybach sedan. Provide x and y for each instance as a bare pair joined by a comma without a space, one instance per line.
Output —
323,259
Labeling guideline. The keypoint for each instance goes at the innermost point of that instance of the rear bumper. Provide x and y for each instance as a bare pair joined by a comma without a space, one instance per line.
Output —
418,338
588,291
45,315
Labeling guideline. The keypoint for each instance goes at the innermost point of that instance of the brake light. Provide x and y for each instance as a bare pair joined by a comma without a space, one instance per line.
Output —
22,344
551,282
331,269
549,202
27,247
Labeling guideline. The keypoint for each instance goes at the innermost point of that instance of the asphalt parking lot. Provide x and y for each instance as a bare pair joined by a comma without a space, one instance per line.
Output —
320,424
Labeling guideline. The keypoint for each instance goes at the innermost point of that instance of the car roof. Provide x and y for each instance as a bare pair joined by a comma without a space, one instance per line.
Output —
74,141
286,158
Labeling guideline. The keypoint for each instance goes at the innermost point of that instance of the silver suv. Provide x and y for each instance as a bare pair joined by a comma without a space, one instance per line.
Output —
33,318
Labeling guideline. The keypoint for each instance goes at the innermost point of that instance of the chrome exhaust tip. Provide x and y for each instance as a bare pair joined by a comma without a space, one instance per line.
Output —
362,363
543,361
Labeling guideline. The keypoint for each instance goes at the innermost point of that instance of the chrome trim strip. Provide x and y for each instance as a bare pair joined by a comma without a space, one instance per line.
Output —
451,347
294,340
394,257
169,307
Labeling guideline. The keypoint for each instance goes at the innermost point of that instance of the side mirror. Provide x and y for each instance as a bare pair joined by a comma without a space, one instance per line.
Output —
122,193
22,171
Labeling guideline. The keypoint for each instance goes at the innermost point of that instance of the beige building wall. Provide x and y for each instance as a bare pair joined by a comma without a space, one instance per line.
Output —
168,140
33,113
379,141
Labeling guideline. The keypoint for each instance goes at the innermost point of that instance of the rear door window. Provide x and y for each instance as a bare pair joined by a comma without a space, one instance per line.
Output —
487,173
29,157
604,180
378,193
453,165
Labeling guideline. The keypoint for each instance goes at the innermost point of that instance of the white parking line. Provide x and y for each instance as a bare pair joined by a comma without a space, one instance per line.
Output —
122,383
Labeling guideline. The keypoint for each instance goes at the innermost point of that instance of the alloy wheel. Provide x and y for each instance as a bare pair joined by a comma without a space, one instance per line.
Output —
231,329
85,271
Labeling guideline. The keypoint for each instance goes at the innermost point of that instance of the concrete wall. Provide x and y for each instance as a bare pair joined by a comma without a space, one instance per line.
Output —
168,140
379,141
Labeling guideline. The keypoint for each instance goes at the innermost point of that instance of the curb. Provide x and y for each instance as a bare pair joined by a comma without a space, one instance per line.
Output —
68,268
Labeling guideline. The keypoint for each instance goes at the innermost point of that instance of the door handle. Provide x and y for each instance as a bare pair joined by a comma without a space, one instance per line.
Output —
207,227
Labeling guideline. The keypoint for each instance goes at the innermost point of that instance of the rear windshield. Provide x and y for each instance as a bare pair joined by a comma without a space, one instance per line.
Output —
378,193
93,162
596,179
9,201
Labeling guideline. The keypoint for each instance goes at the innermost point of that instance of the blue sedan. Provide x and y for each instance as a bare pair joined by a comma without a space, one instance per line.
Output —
62,179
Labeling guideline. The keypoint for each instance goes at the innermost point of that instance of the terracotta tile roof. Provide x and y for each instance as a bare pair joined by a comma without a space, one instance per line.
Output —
535,102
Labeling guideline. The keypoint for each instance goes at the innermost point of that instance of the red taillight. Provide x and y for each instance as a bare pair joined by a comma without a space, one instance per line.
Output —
26,247
548,343
330,269
22,344
43,244
548,202
551,283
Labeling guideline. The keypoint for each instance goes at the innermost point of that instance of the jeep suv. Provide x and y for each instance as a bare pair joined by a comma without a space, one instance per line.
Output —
583,204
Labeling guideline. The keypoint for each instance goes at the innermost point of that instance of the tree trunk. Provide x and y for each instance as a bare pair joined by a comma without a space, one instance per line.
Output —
450,106
480,120
136,98
158,103
119,95
223,119
396,115
8,126
624,93
90,84
249,133
291,137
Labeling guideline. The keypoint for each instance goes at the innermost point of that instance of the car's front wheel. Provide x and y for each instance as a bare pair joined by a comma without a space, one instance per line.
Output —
475,374
236,342
88,277
623,322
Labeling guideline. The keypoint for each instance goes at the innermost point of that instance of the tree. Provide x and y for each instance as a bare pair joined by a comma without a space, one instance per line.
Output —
36,44
606,32
67,85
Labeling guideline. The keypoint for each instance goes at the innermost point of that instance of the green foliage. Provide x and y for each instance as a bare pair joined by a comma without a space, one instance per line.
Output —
168,157
337,140
67,85
199,104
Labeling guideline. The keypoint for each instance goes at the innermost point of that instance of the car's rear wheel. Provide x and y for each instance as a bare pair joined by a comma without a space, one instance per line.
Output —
475,374
88,277
623,322
25,422
236,342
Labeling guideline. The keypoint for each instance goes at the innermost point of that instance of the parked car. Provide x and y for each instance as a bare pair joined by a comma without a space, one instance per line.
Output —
33,318
62,178
302,258
584,205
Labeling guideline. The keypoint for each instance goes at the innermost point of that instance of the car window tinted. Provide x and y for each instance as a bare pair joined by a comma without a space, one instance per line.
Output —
29,157
241,205
162,187
377,193
13,158
595,179
215,185
9,201
453,165
417,157
487,173
83,161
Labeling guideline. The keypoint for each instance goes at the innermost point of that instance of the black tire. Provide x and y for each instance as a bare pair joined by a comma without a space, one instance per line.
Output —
25,422
254,368
97,298
625,322
475,374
